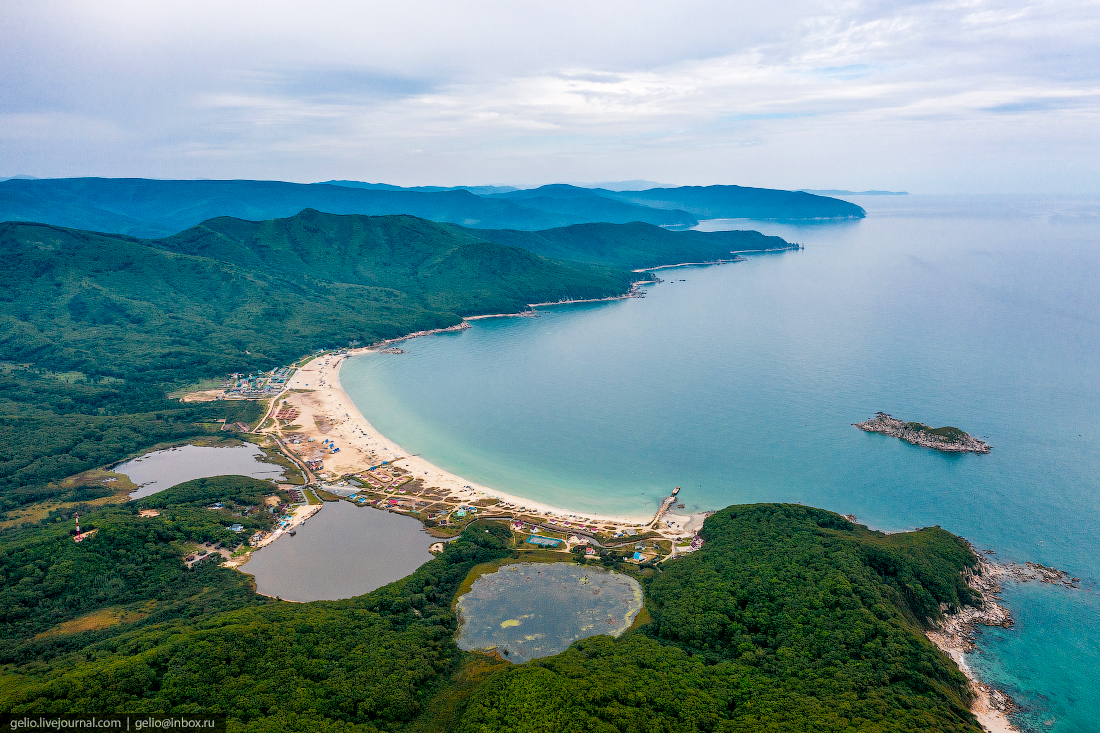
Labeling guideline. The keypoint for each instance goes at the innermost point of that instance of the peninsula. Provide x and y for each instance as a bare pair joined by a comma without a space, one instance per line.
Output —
947,439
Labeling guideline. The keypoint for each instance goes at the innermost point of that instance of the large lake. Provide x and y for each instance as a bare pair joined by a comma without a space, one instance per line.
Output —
740,382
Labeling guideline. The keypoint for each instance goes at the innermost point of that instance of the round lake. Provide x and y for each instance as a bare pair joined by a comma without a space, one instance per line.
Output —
531,610
341,552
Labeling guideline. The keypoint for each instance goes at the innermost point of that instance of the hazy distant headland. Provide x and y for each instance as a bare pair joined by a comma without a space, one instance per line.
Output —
839,192
154,208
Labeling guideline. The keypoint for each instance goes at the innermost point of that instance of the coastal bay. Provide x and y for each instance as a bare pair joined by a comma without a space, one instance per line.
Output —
711,418
741,382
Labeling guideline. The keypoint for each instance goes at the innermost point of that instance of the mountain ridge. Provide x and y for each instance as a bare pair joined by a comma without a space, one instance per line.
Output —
154,208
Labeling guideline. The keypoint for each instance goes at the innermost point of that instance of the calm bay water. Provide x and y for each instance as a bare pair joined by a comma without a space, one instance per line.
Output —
740,384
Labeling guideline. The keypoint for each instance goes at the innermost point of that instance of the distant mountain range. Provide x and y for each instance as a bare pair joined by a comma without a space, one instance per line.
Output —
153,208
838,192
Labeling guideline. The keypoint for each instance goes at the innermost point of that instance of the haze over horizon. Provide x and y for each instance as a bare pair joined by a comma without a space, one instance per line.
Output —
932,97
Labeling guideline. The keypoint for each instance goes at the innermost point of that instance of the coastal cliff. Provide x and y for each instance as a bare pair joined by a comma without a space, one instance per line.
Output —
948,439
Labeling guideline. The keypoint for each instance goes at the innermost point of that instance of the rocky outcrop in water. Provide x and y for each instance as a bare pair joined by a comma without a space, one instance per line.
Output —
947,439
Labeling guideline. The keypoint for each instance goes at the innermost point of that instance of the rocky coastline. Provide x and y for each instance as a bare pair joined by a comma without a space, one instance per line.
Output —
955,634
948,439
955,637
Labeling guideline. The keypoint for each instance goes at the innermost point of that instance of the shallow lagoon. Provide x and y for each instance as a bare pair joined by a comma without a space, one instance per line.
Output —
532,610
164,469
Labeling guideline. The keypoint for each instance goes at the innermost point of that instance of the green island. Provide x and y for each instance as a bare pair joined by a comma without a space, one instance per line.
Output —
788,618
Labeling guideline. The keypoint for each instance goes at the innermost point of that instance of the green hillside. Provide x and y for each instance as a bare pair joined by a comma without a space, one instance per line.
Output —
789,619
363,249
237,295
634,246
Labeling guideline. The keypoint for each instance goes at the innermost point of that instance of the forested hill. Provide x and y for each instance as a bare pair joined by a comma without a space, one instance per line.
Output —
790,619
634,246
237,295
362,249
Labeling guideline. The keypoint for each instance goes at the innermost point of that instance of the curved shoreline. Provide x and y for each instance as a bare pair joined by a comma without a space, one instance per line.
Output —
691,264
954,638
320,379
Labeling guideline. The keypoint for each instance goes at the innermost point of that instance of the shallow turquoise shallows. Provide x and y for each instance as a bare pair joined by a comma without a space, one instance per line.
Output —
740,382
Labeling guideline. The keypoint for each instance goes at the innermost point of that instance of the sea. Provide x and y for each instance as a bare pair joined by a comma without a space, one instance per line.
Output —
740,383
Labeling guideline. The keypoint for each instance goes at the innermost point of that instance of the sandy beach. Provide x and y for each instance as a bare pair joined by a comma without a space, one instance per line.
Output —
323,411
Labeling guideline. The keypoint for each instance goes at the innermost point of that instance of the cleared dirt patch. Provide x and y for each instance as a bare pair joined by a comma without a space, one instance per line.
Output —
101,619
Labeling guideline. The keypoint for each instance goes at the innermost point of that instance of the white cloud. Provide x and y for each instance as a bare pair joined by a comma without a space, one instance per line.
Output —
920,95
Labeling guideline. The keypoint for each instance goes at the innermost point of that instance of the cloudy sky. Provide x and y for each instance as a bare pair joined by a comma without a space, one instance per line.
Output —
938,97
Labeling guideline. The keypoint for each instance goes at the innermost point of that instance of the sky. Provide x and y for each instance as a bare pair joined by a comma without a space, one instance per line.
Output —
929,97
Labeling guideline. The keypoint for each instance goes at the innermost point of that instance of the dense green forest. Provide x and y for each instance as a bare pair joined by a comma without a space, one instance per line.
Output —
132,564
95,328
788,619
232,295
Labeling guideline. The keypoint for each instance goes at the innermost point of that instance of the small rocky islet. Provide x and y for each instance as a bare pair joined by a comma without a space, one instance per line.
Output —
949,439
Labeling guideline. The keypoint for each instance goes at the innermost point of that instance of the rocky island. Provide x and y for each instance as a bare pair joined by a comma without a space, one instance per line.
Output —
947,439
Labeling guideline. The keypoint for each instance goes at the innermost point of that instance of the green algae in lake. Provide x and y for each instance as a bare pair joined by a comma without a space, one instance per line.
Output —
530,610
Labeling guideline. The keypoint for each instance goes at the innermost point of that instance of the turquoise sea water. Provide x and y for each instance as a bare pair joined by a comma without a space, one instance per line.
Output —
740,384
